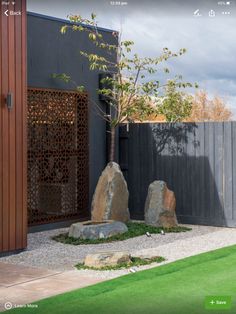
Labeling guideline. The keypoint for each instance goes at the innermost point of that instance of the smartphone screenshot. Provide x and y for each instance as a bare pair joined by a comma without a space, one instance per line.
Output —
118,156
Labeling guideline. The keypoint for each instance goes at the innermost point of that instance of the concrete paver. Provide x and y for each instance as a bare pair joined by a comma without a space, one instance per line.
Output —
21,285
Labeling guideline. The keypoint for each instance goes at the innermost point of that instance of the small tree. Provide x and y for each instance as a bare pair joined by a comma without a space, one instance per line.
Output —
129,90
206,109
175,105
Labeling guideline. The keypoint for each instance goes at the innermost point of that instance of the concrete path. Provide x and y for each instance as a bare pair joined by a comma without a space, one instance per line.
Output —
21,285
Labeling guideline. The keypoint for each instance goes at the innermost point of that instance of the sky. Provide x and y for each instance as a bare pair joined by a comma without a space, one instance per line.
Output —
154,24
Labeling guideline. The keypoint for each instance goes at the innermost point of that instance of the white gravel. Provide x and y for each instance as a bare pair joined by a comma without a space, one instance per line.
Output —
44,252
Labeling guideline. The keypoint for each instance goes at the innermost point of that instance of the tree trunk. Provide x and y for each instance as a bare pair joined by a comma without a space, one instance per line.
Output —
112,143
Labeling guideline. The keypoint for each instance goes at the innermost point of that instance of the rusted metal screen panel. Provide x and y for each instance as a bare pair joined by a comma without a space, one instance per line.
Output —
13,214
57,155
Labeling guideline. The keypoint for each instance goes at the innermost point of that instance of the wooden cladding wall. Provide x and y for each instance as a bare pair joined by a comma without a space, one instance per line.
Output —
13,190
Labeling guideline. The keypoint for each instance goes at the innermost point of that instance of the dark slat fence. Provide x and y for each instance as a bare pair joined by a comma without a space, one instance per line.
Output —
197,160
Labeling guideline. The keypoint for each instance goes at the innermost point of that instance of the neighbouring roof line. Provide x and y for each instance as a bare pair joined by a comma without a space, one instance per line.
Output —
52,18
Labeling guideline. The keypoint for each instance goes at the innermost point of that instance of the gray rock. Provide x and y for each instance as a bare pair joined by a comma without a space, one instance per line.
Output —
110,200
92,230
103,259
160,206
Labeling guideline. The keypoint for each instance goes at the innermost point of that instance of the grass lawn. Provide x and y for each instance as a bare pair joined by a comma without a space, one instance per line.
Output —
134,230
176,288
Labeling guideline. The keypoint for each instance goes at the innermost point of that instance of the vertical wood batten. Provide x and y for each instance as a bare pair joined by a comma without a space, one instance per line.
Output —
211,169
11,132
228,171
196,173
1,104
18,130
24,124
218,174
5,143
234,171
202,162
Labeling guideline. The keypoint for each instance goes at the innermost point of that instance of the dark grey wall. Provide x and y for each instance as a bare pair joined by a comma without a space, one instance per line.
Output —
51,52
198,162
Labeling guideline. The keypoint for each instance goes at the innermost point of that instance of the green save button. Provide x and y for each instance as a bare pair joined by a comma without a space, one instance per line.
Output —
218,302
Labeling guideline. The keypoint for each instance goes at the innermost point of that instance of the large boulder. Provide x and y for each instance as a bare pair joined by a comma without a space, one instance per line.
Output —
110,200
160,206
92,230
103,259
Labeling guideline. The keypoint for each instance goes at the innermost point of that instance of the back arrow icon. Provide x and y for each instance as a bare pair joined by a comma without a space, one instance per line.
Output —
6,12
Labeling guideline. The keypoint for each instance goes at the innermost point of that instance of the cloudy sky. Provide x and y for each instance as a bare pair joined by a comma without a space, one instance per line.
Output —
210,41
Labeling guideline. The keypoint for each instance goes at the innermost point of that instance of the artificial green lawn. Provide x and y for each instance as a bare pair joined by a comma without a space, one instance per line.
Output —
175,288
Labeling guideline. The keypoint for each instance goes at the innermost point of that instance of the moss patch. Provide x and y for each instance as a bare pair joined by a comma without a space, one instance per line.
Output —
135,261
134,230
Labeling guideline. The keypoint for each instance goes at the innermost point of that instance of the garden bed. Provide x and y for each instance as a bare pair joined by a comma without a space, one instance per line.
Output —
134,261
134,230
43,252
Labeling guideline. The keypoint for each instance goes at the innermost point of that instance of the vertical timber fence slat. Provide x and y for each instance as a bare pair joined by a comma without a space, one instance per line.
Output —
197,161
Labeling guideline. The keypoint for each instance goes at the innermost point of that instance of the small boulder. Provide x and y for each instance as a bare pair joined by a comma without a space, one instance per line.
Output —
96,230
110,200
160,206
103,259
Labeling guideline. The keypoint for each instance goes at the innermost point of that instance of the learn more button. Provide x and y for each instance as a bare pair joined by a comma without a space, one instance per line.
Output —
218,302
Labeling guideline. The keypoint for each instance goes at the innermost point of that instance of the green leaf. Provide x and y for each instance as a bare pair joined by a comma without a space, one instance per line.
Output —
92,36
80,88
64,29
93,16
